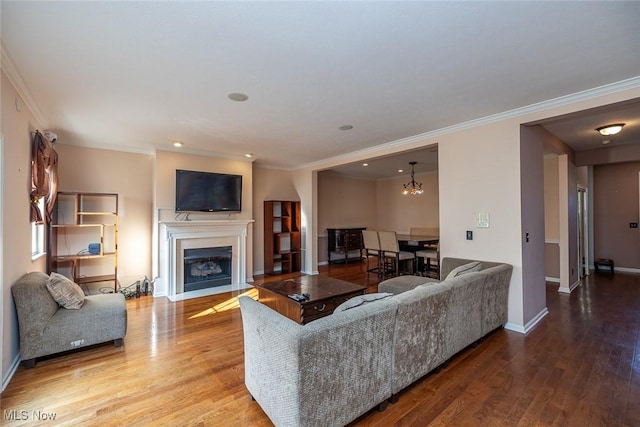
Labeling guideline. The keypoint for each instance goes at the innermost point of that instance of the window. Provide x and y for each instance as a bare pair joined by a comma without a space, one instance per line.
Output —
37,234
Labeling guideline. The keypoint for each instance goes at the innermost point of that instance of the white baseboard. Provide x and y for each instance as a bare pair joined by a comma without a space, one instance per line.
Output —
530,324
570,289
552,279
627,270
12,370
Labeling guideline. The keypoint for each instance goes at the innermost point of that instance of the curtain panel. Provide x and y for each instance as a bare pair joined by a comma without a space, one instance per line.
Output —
44,176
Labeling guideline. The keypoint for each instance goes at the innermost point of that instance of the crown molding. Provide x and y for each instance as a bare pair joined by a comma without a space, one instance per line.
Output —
8,66
182,150
405,143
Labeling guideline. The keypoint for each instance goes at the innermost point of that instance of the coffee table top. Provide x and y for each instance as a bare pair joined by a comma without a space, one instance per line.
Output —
318,287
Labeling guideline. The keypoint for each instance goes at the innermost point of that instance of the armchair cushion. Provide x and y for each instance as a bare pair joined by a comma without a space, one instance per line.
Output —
464,269
66,293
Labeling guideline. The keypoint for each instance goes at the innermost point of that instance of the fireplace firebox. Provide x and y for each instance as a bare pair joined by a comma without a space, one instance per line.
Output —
207,267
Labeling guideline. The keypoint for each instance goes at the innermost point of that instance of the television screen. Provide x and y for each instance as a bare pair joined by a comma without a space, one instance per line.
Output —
208,192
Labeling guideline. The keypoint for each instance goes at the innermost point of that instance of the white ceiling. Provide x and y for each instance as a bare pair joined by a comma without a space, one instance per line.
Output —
139,75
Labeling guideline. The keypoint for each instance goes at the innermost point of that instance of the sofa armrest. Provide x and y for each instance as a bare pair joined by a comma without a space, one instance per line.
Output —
271,358
325,373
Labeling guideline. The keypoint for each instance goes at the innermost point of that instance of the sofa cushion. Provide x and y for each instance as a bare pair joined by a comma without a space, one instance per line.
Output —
66,293
362,300
464,269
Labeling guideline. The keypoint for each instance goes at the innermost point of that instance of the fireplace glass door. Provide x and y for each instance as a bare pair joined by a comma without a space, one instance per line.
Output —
207,268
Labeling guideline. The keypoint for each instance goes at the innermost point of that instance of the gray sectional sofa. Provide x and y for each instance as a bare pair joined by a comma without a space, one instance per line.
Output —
435,320
334,369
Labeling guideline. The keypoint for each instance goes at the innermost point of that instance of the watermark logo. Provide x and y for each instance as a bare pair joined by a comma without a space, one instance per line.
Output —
23,415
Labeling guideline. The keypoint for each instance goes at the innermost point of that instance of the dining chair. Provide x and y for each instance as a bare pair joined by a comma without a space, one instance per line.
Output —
390,250
427,255
371,244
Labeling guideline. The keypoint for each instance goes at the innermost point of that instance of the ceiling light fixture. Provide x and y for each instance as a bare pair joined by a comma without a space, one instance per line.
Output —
177,144
609,130
248,155
412,187
365,164
238,97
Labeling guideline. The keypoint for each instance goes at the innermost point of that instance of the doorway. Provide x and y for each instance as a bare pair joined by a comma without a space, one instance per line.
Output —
583,233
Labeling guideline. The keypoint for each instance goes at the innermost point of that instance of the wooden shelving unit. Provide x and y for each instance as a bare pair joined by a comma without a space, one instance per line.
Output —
78,221
282,239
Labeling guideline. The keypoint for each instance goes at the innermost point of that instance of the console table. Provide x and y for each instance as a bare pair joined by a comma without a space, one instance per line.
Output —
345,244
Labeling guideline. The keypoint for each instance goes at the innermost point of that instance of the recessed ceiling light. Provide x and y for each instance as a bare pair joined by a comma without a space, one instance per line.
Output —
609,130
400,170
248,155
345,127
177,144
606,141
239,97
365,164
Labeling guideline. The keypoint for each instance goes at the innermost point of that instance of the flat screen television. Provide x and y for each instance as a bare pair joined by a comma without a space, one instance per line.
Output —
208,192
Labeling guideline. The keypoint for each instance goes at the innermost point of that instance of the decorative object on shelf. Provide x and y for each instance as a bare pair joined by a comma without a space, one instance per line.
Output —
412,187
609,130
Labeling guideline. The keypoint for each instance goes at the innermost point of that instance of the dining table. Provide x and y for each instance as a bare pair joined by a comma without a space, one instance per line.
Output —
416,241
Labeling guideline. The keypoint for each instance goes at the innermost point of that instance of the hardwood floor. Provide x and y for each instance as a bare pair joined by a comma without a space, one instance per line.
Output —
182,364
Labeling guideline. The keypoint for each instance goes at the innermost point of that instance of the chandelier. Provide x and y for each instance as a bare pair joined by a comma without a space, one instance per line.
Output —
412,187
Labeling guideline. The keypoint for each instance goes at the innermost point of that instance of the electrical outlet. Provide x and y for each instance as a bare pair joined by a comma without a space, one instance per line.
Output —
633,225
469,235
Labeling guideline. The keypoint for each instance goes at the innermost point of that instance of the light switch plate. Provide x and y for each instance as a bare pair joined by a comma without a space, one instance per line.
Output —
483,220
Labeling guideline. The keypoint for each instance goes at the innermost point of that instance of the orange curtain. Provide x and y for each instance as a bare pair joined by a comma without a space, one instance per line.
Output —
44,176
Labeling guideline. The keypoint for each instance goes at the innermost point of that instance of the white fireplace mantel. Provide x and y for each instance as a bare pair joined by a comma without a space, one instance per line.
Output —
175,236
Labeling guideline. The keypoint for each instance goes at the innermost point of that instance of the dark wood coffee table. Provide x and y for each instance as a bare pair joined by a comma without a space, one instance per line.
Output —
325,294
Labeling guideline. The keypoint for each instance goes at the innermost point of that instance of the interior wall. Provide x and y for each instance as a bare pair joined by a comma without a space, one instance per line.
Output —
85,169
533,229
268,184
16,125
399,212
164,181
344,202
551,220
615,205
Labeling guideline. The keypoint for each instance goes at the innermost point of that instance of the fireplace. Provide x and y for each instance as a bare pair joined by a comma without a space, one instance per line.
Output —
199,258
206,268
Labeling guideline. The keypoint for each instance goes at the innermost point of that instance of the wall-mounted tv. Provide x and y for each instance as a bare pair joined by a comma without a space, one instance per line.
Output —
208,192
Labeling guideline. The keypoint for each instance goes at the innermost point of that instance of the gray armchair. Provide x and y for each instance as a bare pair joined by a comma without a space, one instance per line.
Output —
46,328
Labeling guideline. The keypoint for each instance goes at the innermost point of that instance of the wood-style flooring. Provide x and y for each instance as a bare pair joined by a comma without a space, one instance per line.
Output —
182,365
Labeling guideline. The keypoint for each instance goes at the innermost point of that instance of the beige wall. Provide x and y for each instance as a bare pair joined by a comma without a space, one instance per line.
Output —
16,125
615,205
268,184
343,202
551,226
399,212
164,180
129,175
